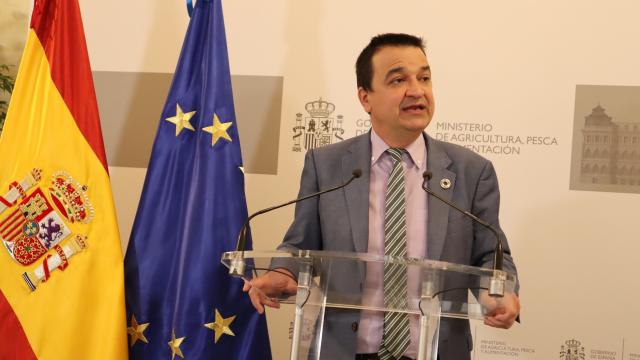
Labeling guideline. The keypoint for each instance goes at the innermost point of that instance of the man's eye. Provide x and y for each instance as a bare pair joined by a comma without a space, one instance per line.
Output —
397,80
426,78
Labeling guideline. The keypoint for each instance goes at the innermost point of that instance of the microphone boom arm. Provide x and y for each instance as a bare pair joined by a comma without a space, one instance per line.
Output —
243,231
237,265
496,288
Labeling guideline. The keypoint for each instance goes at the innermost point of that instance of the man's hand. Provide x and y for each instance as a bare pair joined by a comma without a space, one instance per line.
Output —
264,289
502,312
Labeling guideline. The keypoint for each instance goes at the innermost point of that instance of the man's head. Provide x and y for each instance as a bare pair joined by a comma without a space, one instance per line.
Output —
364,66
394,87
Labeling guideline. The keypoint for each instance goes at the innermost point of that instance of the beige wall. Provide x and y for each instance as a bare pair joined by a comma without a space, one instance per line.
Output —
13,27
13,31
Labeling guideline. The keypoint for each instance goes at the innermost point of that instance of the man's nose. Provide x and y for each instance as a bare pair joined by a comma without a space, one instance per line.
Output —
415,88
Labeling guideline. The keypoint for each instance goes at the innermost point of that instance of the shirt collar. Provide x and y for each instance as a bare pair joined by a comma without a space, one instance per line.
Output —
417,150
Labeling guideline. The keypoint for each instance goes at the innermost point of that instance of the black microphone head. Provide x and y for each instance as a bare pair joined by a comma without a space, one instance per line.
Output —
427,175
356,173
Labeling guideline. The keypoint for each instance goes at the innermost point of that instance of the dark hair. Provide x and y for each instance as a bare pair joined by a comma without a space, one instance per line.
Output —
364,66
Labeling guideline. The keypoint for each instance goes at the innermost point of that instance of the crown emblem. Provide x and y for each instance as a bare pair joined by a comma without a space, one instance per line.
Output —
70,198
572,343
319,108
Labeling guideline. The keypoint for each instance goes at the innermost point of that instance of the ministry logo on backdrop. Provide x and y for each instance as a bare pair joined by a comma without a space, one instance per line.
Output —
319,128
572,350
606,145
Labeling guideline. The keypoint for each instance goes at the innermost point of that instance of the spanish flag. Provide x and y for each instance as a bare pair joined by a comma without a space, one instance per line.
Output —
61,267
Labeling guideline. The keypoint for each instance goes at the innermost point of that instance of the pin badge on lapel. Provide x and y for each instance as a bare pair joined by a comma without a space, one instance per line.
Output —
445,183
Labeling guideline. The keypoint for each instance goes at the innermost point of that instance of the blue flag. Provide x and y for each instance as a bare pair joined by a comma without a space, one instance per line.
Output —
180,300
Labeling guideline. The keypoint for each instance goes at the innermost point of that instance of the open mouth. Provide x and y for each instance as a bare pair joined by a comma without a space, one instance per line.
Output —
415,107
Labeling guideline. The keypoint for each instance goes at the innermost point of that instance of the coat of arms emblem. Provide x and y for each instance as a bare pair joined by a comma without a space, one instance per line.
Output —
319,128
572,350
34,221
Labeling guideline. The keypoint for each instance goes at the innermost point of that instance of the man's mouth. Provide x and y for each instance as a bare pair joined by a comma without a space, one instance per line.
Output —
415,107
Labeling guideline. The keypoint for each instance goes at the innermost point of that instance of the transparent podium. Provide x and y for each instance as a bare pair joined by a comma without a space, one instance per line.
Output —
332,287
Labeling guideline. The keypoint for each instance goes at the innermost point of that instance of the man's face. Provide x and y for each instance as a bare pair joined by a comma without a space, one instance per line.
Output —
401,98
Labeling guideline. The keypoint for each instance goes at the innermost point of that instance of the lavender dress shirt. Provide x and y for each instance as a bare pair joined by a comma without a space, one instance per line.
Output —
414,163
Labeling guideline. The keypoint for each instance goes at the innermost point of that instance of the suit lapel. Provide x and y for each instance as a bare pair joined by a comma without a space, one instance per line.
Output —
358,156
438,163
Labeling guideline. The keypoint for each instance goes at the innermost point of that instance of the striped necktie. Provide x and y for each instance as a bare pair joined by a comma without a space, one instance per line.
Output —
396,335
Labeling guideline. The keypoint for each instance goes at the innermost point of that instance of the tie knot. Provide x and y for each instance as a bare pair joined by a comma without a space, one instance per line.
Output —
396,153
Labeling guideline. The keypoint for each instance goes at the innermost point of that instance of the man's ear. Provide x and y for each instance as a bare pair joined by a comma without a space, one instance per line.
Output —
363,96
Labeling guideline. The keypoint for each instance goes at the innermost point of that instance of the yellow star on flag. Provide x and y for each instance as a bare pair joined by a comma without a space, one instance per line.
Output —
174,344
182,120
221,326
137,331
218,130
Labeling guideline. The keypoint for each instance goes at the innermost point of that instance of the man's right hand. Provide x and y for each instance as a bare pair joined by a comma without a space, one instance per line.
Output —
265,289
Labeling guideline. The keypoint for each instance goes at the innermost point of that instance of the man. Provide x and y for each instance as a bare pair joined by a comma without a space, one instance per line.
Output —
394,87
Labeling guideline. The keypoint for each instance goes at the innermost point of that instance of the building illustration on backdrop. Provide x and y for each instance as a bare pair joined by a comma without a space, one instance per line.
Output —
610,150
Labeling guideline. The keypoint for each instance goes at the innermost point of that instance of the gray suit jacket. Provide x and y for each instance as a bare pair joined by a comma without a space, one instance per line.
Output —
338,221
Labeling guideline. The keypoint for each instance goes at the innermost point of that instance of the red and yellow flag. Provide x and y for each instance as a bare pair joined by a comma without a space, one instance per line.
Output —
61,280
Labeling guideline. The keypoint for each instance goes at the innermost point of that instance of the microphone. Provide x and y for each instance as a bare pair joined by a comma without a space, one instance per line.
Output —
237,264
496,288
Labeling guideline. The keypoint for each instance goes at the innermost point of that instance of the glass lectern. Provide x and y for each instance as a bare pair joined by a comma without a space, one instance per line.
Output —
331,285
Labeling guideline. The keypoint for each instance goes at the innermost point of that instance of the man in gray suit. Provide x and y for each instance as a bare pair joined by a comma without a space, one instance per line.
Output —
394,87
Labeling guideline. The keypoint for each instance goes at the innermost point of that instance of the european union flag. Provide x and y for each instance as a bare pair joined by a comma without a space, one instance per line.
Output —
180,300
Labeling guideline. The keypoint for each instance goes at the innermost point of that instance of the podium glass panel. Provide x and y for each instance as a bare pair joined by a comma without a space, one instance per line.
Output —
331,294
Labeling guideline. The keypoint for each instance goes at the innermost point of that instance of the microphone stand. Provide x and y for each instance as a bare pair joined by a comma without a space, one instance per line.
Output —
496,286
237,266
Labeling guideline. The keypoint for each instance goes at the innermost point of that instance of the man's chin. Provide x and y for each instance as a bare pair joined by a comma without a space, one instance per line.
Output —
415,124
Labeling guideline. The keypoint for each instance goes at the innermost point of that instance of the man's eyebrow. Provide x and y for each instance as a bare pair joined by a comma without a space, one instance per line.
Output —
402,69
395,70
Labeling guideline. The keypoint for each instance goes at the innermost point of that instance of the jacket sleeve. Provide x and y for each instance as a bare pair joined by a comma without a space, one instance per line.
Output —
304,232
486,205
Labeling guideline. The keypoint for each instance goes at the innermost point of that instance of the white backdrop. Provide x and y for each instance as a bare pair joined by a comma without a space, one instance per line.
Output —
507,68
